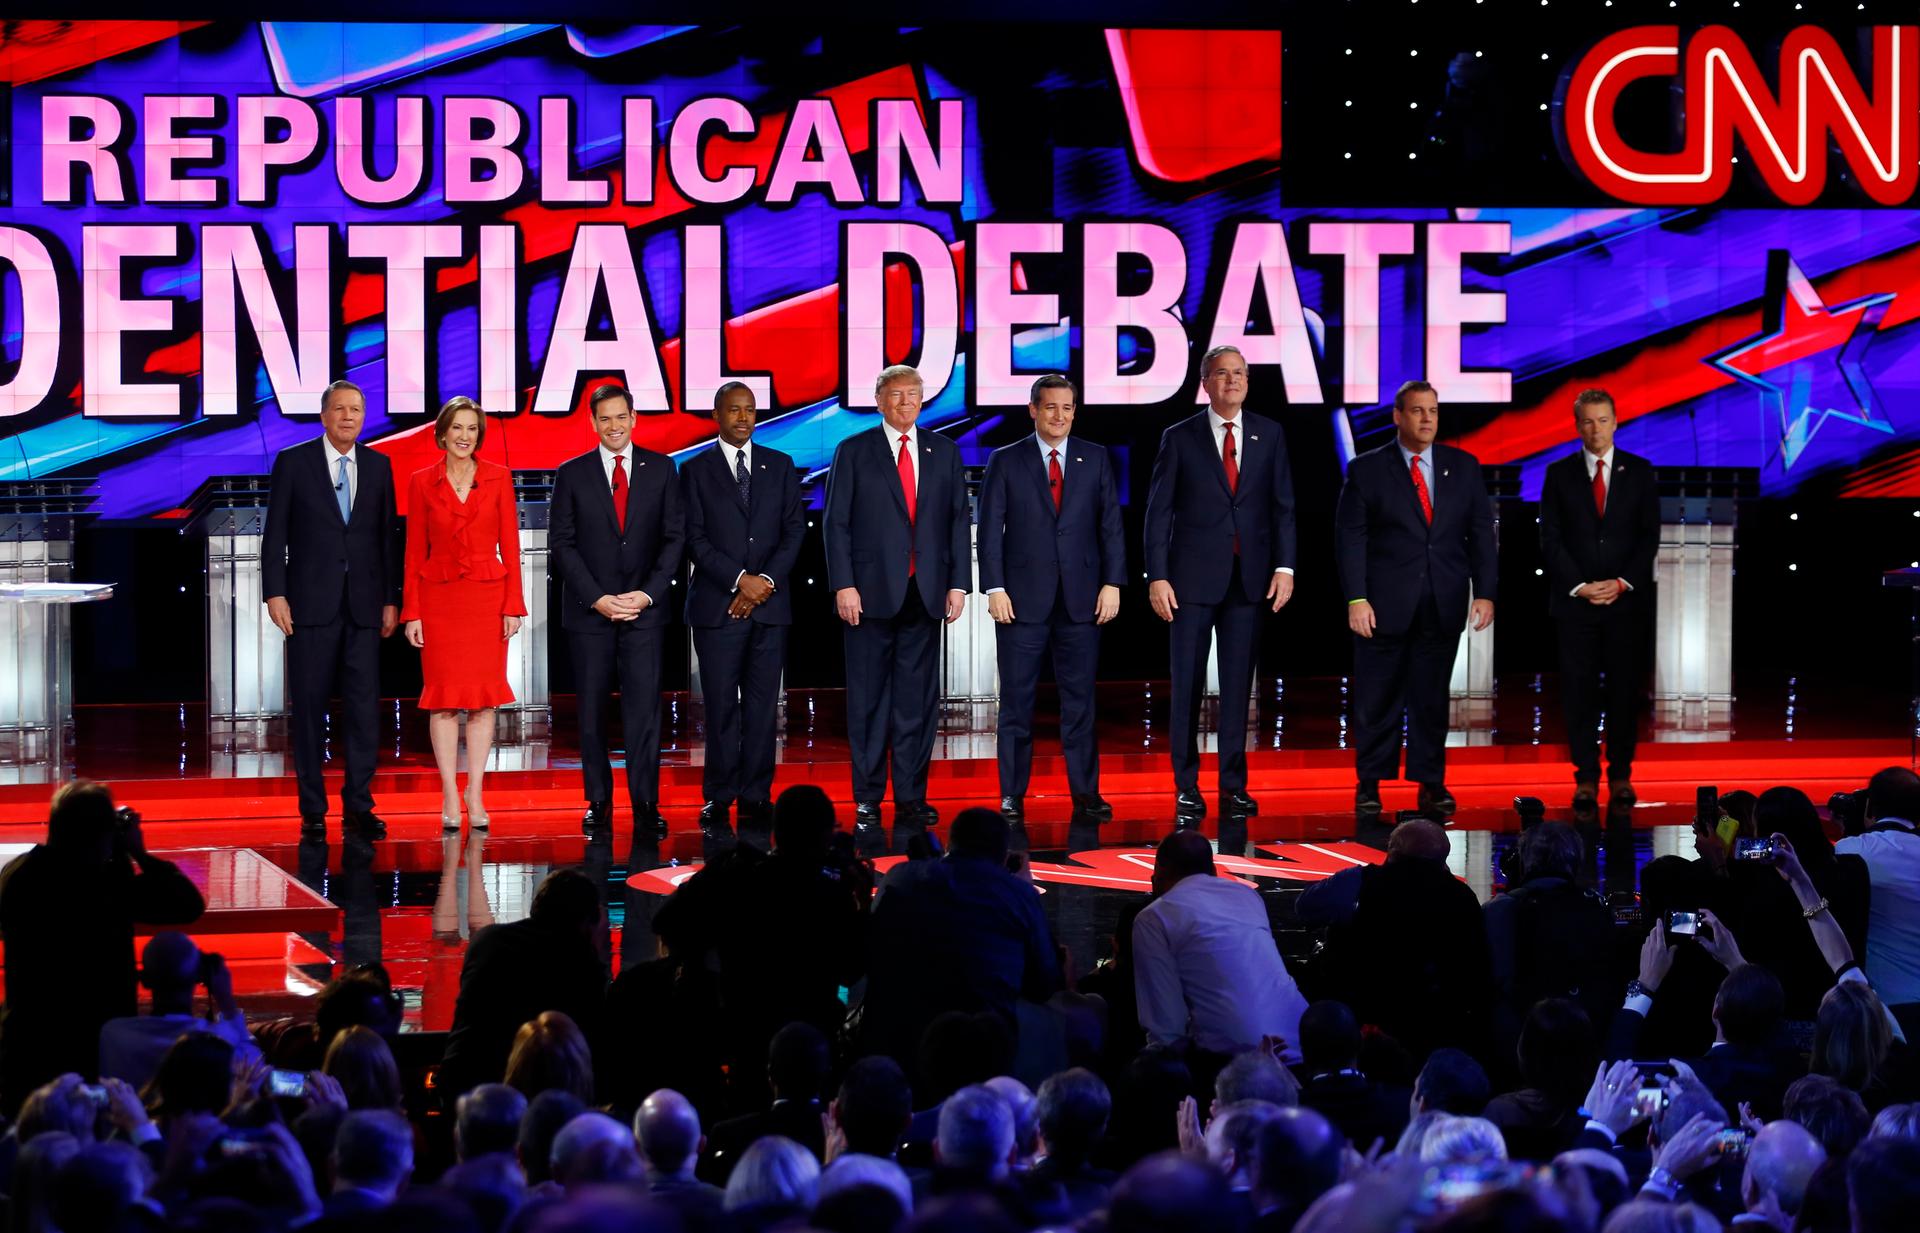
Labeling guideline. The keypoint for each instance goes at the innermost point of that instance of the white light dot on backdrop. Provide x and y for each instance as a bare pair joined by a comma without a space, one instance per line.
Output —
1411,154
1791,568
1412,106
1348,154
1478,54
1543,107
1349,51
1793,518
1543,55
1414,52
1538,572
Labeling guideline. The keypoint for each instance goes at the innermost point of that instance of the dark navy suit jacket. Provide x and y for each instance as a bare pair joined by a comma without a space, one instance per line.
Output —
1193,521
725,536
868,538
325,566
1388,554
594,556
1581,547
1037,554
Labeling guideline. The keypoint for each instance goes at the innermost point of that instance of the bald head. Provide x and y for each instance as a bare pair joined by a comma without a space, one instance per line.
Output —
1183,854
1418,840
1783,1158
668,1129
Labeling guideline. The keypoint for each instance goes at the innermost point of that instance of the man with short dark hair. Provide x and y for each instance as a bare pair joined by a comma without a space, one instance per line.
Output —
1414,538
372,1160
330,570
1364,1110
1891,848
1883,1185
1052,561
517,970
1073,1108
898,535
1207,973
745,522
799,1061
68,909
1548,936
871,1113
1219,544
1599,532
1452,1082
615,530
959,933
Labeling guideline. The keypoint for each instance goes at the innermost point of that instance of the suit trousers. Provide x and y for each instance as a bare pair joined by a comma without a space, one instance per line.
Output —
317,656
1610,641
1236,622
740,665
893,699
1404,678
1022,650
629,654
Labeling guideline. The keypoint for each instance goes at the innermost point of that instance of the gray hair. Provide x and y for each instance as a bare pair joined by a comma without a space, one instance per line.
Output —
1462,1140
1214,353
774,1170
582,1135
373,1146
326,395
1025,1110
976,1130
859,1169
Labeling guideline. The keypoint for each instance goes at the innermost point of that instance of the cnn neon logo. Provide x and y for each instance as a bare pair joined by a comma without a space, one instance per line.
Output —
1724,93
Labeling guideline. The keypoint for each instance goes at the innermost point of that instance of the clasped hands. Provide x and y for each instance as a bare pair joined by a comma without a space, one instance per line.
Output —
751,591
1601,594
626,606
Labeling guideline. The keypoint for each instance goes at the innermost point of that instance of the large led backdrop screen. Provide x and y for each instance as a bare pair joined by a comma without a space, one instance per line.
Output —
205,224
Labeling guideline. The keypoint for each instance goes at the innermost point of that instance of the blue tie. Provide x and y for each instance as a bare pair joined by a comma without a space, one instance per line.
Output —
343,493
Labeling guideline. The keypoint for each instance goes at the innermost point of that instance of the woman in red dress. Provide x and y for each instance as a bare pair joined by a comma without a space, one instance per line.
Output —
463,599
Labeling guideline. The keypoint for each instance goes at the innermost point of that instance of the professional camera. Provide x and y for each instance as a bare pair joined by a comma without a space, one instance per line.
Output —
1849,809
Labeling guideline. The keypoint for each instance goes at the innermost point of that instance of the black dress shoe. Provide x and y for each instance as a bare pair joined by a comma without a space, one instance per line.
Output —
1188,808
916,811
366,825
1435,801
1092,806
1366,798
599,817
313,826
1620,793
1238,805
647,820
755,814
714,812
1013,809
866,813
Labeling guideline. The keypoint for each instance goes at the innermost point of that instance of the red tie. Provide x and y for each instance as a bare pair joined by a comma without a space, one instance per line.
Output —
904,463
1600,488
1420,490
620,490
1232,458
1054,477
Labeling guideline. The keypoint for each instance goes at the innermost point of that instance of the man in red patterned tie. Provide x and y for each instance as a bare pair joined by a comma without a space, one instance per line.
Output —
900,562
1052,561
1599,532
1414,541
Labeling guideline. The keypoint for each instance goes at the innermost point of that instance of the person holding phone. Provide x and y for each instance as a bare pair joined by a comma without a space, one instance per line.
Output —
173,968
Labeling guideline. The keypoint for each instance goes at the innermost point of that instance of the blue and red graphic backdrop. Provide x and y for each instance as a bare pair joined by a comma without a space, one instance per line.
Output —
204,224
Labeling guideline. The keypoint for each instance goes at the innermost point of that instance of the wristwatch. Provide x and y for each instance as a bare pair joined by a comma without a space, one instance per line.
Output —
1637,990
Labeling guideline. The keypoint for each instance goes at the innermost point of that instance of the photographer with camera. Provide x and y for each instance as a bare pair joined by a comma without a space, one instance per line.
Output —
67,912
172,968
1891,849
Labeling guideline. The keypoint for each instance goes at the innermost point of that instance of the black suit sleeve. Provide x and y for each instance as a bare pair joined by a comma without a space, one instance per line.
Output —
705,557
1563,572
1330,901
673,542
391,552
838,532
563,539
1113,536
273,538
960,578
1646,532
161,895
1162,491
1483,558
1282,508
793,526
1623,1035
1350,535
993,524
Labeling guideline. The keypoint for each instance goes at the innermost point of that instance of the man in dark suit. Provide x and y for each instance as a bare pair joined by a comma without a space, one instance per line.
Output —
1414,534
900,561
615,531
331,571
1052,560
744,527
1219,544
1599,531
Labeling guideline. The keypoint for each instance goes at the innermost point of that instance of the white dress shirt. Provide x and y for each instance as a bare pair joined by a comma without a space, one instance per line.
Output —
1219,427
1206,970
1591,460
353,467
606,465
728,455
1893,910
912,436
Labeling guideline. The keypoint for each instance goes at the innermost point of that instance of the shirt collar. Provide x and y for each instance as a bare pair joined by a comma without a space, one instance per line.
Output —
911,434
728,451
1046,449
607,456
1407,456
334,456
1215,421
1588,456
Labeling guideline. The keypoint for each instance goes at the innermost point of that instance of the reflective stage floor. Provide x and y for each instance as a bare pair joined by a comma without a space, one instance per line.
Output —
289,913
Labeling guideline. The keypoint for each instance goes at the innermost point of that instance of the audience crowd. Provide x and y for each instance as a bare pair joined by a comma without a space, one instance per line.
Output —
812,1050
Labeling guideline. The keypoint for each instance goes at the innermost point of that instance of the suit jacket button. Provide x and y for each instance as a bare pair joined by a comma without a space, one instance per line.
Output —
749,539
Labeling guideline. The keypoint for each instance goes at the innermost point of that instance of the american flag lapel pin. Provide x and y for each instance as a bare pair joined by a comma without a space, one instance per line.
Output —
1253,436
